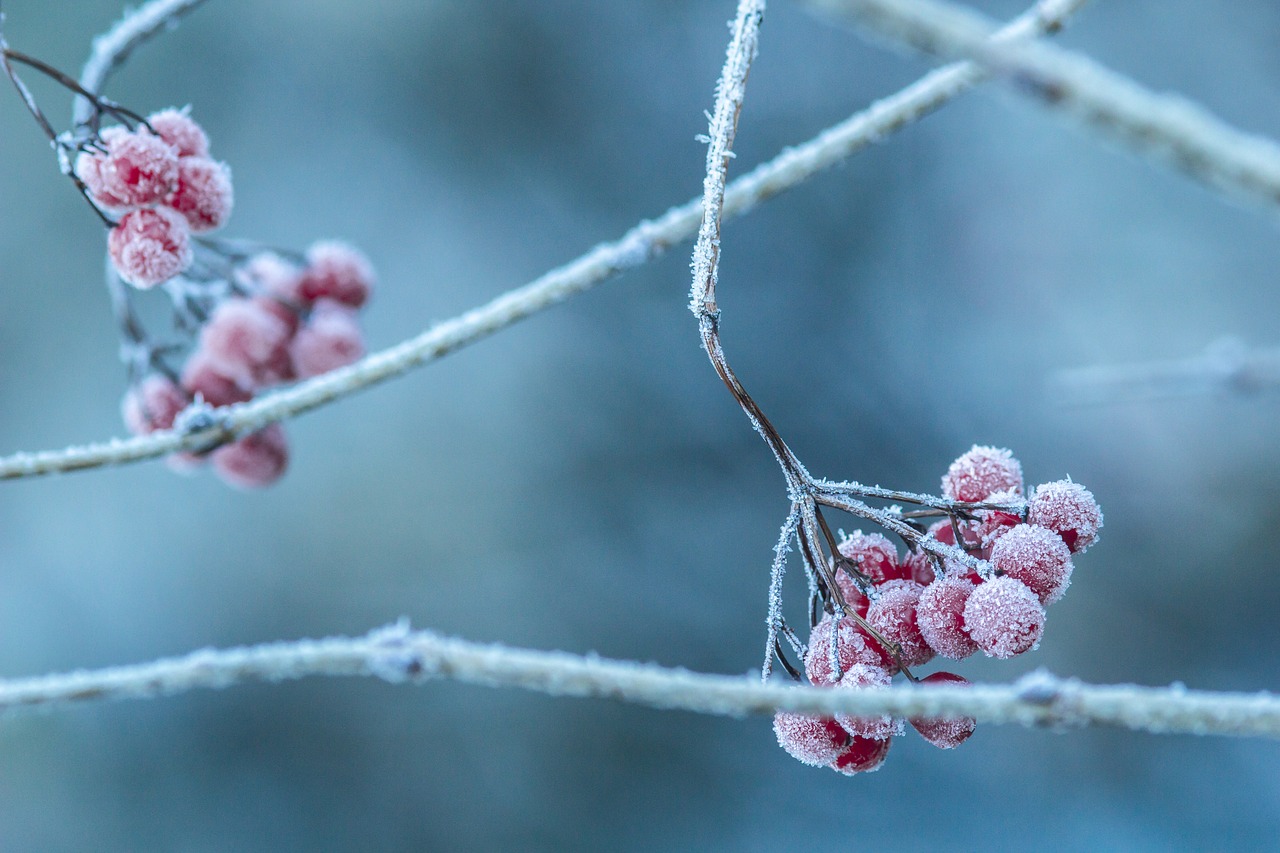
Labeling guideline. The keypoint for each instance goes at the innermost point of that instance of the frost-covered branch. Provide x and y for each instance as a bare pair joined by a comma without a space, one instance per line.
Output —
397,654
1226,367
642,243
1168,129
112,48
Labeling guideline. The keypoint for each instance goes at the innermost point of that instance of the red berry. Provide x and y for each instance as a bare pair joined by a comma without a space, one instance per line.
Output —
1036,556
245,340
863,677
875,556
893,614
202,193
862,755
152,404
138,168
336,271
180,130
994,523
1068,509
853,647
980,473
920,565
1004,617
257,460
149,246
201,376
944,732
815,741
330,339
940,615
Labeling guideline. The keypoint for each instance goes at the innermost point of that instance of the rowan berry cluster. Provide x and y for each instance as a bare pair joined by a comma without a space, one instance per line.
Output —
251,318
904,611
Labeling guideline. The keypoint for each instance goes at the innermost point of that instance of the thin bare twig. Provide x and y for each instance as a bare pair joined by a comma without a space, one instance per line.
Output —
1167,129
399,655
638,246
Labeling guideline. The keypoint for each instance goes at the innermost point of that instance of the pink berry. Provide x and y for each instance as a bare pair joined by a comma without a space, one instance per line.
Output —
330,339
893,614
853,647
863,677
138,168
875,555
257,460
862,755
152,404
980,473
815,741
940,615
202,193
245,340
1004,617
269,274
920,565
336,271
201,376
1036,556
944,732
852,595
180,130
1069,510
149,246
994,523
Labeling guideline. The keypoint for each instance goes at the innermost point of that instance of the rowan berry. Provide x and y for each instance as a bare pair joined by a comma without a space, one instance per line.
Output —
152,404
150,246
862,755
863,677
331,338
257,460
202,193
1036,556
981,472
893,614
944,732
178,129
337,271
875,556
1068,509
136,169
245,340
1004,617
815,741
940,616
853,647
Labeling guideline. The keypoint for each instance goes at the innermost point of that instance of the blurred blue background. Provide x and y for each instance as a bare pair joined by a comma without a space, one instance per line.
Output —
583,482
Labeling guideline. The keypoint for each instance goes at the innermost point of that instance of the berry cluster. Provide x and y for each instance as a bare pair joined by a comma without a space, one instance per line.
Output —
161,182
284,321
903,612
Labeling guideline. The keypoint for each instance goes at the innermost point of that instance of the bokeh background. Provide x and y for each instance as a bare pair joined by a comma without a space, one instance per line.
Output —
583,482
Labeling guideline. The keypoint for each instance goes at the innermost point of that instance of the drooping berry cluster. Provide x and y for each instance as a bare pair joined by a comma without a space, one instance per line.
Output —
284,321
159,179
903,612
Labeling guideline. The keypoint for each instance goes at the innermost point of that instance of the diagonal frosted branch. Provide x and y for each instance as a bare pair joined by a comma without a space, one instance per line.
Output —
397,654
638,246
1167,129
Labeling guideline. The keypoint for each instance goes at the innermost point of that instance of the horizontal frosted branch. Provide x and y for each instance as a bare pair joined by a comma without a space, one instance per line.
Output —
1226,367
397,654
639,245
1168,129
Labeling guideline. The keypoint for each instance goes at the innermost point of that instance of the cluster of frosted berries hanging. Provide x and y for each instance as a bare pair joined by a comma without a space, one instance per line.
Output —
161,182
285,321
258,318
929,607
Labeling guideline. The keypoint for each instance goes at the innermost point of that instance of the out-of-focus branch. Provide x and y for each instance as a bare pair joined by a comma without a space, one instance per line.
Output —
638,246
397,654
1168,129
1226,367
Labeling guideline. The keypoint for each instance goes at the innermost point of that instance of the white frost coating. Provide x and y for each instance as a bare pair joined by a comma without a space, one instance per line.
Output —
646,241
1167,129
776,574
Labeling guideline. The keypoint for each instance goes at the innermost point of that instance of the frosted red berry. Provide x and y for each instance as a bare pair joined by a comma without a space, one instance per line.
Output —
137,168
150,246
202,193
980,473
255,461
180,131
815,741
862,755
1004,617
920,565
1036,556
853,648
245,340
945,733
269,274
893,614
152,404
879,727
336,271
331,338
874,555
940,616
201,376
1068,509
